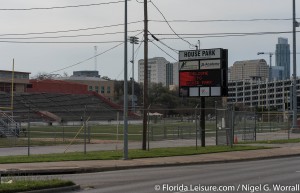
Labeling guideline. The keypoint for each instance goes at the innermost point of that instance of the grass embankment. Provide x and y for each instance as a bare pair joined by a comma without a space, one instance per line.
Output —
15,186
133,154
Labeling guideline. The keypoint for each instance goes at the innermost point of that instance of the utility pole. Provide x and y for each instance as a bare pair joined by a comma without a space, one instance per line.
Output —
145,98
133,40
295,24
125,151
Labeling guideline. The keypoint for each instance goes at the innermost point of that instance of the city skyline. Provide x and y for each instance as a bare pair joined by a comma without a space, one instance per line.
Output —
205,22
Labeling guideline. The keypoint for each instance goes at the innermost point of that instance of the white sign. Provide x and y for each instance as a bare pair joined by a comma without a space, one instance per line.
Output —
194,91
210,64
204,91
200,54
189,65
215,91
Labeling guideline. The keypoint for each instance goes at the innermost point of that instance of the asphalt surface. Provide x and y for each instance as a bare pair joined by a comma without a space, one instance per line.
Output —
258,176
285,150
92,166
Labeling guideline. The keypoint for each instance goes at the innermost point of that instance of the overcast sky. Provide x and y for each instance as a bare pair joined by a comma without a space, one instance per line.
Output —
46,56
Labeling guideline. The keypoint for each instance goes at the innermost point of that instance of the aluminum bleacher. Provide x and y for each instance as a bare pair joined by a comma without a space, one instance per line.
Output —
48,107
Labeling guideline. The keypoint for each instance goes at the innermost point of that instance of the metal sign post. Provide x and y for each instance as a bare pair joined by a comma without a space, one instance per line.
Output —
203,73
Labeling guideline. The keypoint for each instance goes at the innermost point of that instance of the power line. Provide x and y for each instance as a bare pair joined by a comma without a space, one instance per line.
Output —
136,51
163,50
222,34
174,50
155,38
71,36
70,42
87,59
222,20
186,36
71,30
63,7
170,25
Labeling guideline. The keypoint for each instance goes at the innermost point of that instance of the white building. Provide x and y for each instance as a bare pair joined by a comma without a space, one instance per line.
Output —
159,71
245,70
264,94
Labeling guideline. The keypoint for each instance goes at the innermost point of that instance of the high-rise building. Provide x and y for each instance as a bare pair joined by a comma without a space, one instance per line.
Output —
249,69
283,55
159,71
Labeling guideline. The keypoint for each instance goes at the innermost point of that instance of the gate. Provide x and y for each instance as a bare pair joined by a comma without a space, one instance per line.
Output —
224,127
233,126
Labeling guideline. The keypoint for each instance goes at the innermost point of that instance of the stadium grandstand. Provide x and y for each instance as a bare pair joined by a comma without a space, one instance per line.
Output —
59,107
51,101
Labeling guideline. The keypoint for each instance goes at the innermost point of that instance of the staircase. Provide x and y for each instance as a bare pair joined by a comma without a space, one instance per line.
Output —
8,127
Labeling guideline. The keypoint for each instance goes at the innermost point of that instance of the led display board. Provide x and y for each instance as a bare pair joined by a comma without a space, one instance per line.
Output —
203,73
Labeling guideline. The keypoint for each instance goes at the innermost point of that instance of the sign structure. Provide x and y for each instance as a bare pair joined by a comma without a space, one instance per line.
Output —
203,73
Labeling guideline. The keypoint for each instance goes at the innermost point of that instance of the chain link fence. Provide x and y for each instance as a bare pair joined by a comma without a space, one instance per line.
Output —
165,128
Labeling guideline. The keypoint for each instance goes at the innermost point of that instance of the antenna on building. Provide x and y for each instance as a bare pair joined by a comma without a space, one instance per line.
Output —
95,57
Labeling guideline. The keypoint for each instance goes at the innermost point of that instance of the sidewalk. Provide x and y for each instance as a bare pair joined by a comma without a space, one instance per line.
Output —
286,150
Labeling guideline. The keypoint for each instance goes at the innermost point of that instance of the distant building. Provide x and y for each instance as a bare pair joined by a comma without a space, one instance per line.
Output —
57,86
246,70
274,94
94,82
283,55
172,74
86,73
277,72
159,71
21,81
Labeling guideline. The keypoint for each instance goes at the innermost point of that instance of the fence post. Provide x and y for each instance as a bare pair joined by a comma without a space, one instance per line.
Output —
255,117
232,126
148,124
216,115
196,117
84,124
28,131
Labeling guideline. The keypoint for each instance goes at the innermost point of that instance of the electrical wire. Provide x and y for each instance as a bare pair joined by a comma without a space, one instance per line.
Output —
174,50
63,7
164,51
135,56
221,20
87,59
71,30
170,25
155,38
70,42
82,35
222,35
186,36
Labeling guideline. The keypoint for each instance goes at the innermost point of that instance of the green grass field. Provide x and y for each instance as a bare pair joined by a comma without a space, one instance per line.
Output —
133,154
17,185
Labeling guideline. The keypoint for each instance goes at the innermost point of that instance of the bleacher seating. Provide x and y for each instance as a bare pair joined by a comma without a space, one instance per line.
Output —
68,107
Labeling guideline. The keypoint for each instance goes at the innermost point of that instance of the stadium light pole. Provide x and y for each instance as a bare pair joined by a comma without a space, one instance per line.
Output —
133,40
269,80
125,113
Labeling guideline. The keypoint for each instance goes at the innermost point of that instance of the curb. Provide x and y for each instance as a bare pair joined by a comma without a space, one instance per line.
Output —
116,168
51,190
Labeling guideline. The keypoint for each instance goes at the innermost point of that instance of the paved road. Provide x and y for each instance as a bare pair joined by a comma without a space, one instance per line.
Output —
250,176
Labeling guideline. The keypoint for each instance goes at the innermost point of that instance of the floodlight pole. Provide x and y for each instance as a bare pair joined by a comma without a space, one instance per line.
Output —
125,151
133,40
